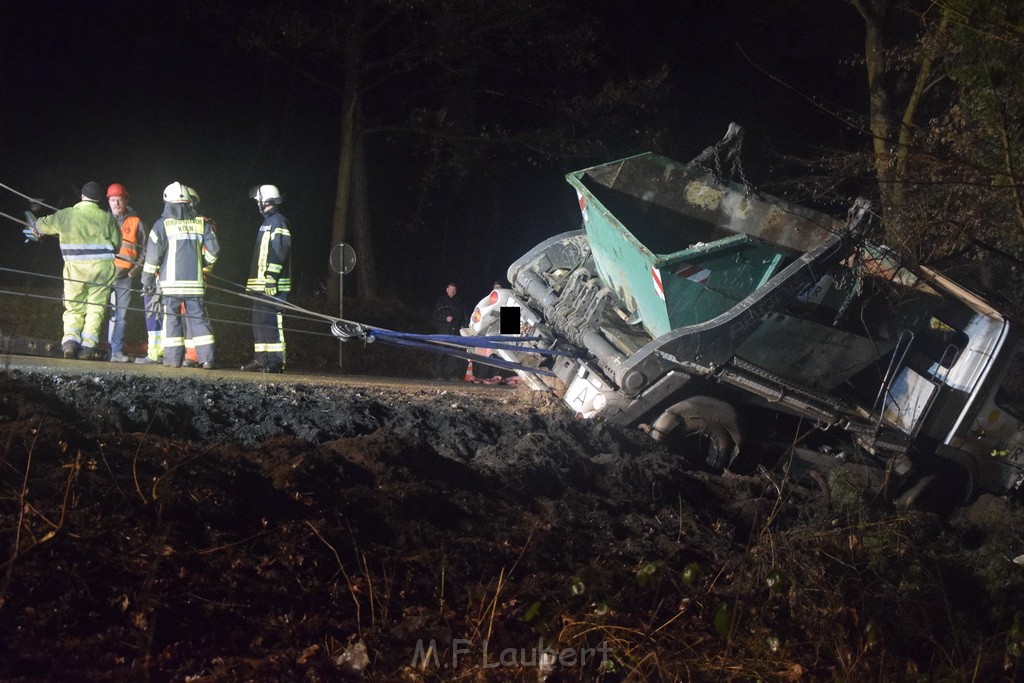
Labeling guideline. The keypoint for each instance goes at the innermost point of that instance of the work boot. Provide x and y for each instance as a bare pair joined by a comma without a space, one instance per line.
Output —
208,365
258,366
119,358
146,360
70,349
188,363
87,353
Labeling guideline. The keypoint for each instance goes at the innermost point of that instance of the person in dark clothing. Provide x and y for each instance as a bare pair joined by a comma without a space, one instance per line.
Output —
449,317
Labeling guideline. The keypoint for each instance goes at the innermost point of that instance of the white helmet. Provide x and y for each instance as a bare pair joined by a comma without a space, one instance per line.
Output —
176,193
266,194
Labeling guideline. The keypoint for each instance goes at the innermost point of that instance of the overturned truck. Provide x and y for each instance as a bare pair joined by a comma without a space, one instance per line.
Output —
746,331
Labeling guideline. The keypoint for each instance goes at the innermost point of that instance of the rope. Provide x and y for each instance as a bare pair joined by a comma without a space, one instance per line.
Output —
340,328
16,220
212,304
343,329
31,199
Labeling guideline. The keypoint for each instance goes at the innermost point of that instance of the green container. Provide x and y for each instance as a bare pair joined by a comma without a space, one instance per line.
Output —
694,246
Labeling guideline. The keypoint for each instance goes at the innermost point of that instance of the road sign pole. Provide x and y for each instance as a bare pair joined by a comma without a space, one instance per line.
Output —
341,311
342,261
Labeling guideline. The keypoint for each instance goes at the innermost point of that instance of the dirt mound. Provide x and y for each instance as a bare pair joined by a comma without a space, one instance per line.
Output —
202,530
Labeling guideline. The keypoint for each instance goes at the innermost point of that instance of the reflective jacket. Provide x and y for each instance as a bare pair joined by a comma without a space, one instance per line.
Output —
86,232
272,256
179,245
133,242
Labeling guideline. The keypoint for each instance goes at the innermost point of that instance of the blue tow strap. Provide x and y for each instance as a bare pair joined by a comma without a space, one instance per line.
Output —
442,343
503,342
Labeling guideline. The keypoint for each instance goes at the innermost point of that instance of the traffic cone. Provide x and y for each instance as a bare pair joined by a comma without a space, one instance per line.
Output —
469,373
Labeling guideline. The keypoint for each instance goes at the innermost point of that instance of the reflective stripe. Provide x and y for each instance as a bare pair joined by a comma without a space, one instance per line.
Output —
94,247
204,340
187,228
109,256
182,292
258,283
77,252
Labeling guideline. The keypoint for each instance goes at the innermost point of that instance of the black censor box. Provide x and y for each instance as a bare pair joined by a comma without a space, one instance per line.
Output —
509,320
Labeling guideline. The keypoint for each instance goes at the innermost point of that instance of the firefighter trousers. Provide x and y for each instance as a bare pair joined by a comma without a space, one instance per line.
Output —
268,332
198,326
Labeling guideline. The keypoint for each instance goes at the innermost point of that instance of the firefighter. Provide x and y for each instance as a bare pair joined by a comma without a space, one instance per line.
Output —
191,359
89,238
270,275
180,245
127,263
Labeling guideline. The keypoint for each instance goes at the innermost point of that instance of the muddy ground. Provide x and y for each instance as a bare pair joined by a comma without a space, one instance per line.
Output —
204,530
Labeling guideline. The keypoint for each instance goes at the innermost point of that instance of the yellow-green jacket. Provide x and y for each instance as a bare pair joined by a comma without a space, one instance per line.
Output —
86,232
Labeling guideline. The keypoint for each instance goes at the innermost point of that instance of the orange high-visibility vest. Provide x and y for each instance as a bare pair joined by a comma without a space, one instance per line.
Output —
129,252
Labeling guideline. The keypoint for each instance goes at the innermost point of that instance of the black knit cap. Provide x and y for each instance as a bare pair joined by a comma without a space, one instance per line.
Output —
92,190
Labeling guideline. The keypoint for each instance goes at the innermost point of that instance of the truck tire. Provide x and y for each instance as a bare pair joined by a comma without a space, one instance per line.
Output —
705,430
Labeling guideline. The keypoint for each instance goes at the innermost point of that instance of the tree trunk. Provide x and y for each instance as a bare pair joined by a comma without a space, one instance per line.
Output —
362,233
891,132
342,198
352,61
880,99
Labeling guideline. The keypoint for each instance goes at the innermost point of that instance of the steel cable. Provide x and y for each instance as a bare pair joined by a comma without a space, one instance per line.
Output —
444,344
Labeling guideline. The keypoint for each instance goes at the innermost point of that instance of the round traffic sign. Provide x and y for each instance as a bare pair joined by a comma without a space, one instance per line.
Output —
343,258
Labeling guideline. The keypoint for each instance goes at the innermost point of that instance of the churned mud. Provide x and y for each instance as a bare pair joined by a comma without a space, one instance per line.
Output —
202,529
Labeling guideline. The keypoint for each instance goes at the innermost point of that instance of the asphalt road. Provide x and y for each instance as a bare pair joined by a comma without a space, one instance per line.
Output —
62,366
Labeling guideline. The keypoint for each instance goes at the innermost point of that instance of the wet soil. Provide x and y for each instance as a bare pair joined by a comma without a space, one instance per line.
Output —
205,529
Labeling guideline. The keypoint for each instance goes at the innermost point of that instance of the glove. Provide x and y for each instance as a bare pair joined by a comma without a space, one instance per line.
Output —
153,308
31,233
270,288
148,284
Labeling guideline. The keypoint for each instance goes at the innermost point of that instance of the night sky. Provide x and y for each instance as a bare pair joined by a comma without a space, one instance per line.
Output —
146,93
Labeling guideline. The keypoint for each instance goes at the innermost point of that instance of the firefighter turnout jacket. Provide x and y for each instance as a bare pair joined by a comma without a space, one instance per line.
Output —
179,245
272,256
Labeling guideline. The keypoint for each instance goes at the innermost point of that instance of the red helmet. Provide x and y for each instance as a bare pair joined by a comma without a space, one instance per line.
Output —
117,190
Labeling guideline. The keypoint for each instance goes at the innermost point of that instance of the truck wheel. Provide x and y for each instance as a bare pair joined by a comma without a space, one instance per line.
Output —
705,430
